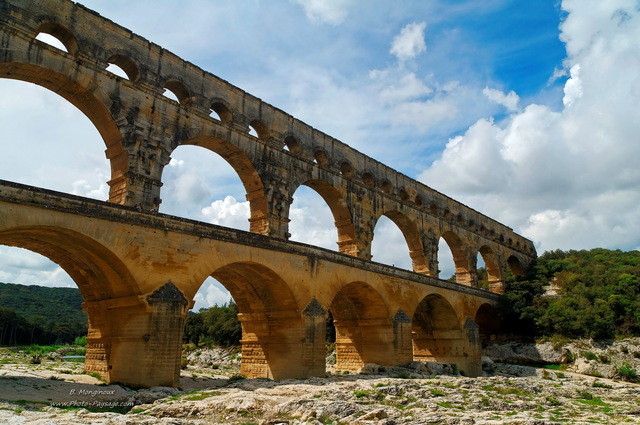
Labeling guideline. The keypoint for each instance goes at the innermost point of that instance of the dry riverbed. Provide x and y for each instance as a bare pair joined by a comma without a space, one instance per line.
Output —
56,392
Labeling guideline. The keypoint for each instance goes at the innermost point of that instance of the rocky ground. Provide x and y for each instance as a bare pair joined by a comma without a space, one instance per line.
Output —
56,392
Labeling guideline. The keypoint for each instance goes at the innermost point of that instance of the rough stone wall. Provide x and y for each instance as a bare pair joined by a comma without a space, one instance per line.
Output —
122,260
141,128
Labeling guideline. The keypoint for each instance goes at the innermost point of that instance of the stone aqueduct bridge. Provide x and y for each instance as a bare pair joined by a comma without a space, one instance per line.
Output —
139,271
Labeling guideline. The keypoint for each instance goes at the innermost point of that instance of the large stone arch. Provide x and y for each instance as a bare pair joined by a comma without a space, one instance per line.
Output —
489,323
515,266
436,329
246,171
492,266
341,214
364,333
90,105
110,293
272,327
460,258
413,238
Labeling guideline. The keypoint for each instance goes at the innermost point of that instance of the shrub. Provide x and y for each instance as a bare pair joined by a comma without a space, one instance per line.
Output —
604,359
236,378
585,395
627,372
36,359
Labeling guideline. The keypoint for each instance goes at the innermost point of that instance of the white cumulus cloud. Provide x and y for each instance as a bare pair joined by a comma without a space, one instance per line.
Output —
325,11
229,213
569,178
509,101
410,42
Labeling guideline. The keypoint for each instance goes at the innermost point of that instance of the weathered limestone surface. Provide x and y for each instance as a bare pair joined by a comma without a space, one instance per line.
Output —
119,256
136,292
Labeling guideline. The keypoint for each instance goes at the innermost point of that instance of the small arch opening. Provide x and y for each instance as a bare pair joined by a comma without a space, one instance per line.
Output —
386,187
221,112
292,145
116,70
419,201
57,36
321,158
259,129
403,194
124,67
346,169
368,179
51,41
175,90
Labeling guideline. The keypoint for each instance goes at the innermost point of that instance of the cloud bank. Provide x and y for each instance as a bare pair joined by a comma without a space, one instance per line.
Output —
569,178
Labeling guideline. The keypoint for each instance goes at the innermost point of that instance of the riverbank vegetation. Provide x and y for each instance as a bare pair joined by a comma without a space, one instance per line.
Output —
574,294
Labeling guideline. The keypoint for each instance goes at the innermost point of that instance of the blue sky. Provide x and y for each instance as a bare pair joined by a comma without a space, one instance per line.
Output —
524,110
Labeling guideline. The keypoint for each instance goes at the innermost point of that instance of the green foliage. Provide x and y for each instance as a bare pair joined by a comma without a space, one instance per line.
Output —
627,372
598,295
32,314
214,325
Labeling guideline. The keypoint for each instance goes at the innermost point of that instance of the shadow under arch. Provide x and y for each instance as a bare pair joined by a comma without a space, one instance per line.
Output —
494,277
412,237
100,276
246,171
270,319
436,331
460,258
489,323
364,333
91,106
515,266
341,214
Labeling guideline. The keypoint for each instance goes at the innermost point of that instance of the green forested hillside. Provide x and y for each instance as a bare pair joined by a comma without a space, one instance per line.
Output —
37,314
597,294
